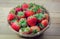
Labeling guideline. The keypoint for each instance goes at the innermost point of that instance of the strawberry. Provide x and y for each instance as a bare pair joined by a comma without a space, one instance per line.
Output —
39,11
25,6
44,22
20,14
11,16
18,9
22,22
15,26
25,30
31,21
29,13
34,29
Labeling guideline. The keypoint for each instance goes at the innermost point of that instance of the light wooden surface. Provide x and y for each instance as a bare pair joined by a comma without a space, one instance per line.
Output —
53,6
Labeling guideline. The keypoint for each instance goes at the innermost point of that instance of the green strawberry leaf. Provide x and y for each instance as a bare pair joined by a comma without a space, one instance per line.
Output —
26,29
39,16
41,26
13,20
22,29
42,8
31,5
23,22
12,11
20,14
35,9
34,31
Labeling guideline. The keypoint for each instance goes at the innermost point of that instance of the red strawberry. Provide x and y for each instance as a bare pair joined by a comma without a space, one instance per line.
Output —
31,21
39,11
29,13
18,9
11,16
15,26
44,22
34,29
24,6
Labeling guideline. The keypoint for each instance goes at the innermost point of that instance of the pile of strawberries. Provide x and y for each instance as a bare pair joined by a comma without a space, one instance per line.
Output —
28,18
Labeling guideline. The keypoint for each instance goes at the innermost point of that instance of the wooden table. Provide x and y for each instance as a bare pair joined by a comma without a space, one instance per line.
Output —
53,6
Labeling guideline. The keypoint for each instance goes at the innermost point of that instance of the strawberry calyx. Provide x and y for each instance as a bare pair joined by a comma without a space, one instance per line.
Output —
23,22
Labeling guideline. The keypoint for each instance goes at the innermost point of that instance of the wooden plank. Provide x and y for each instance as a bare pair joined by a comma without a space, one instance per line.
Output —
54,30
55,20
55,14
17,37
10,37
47,37
55,17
